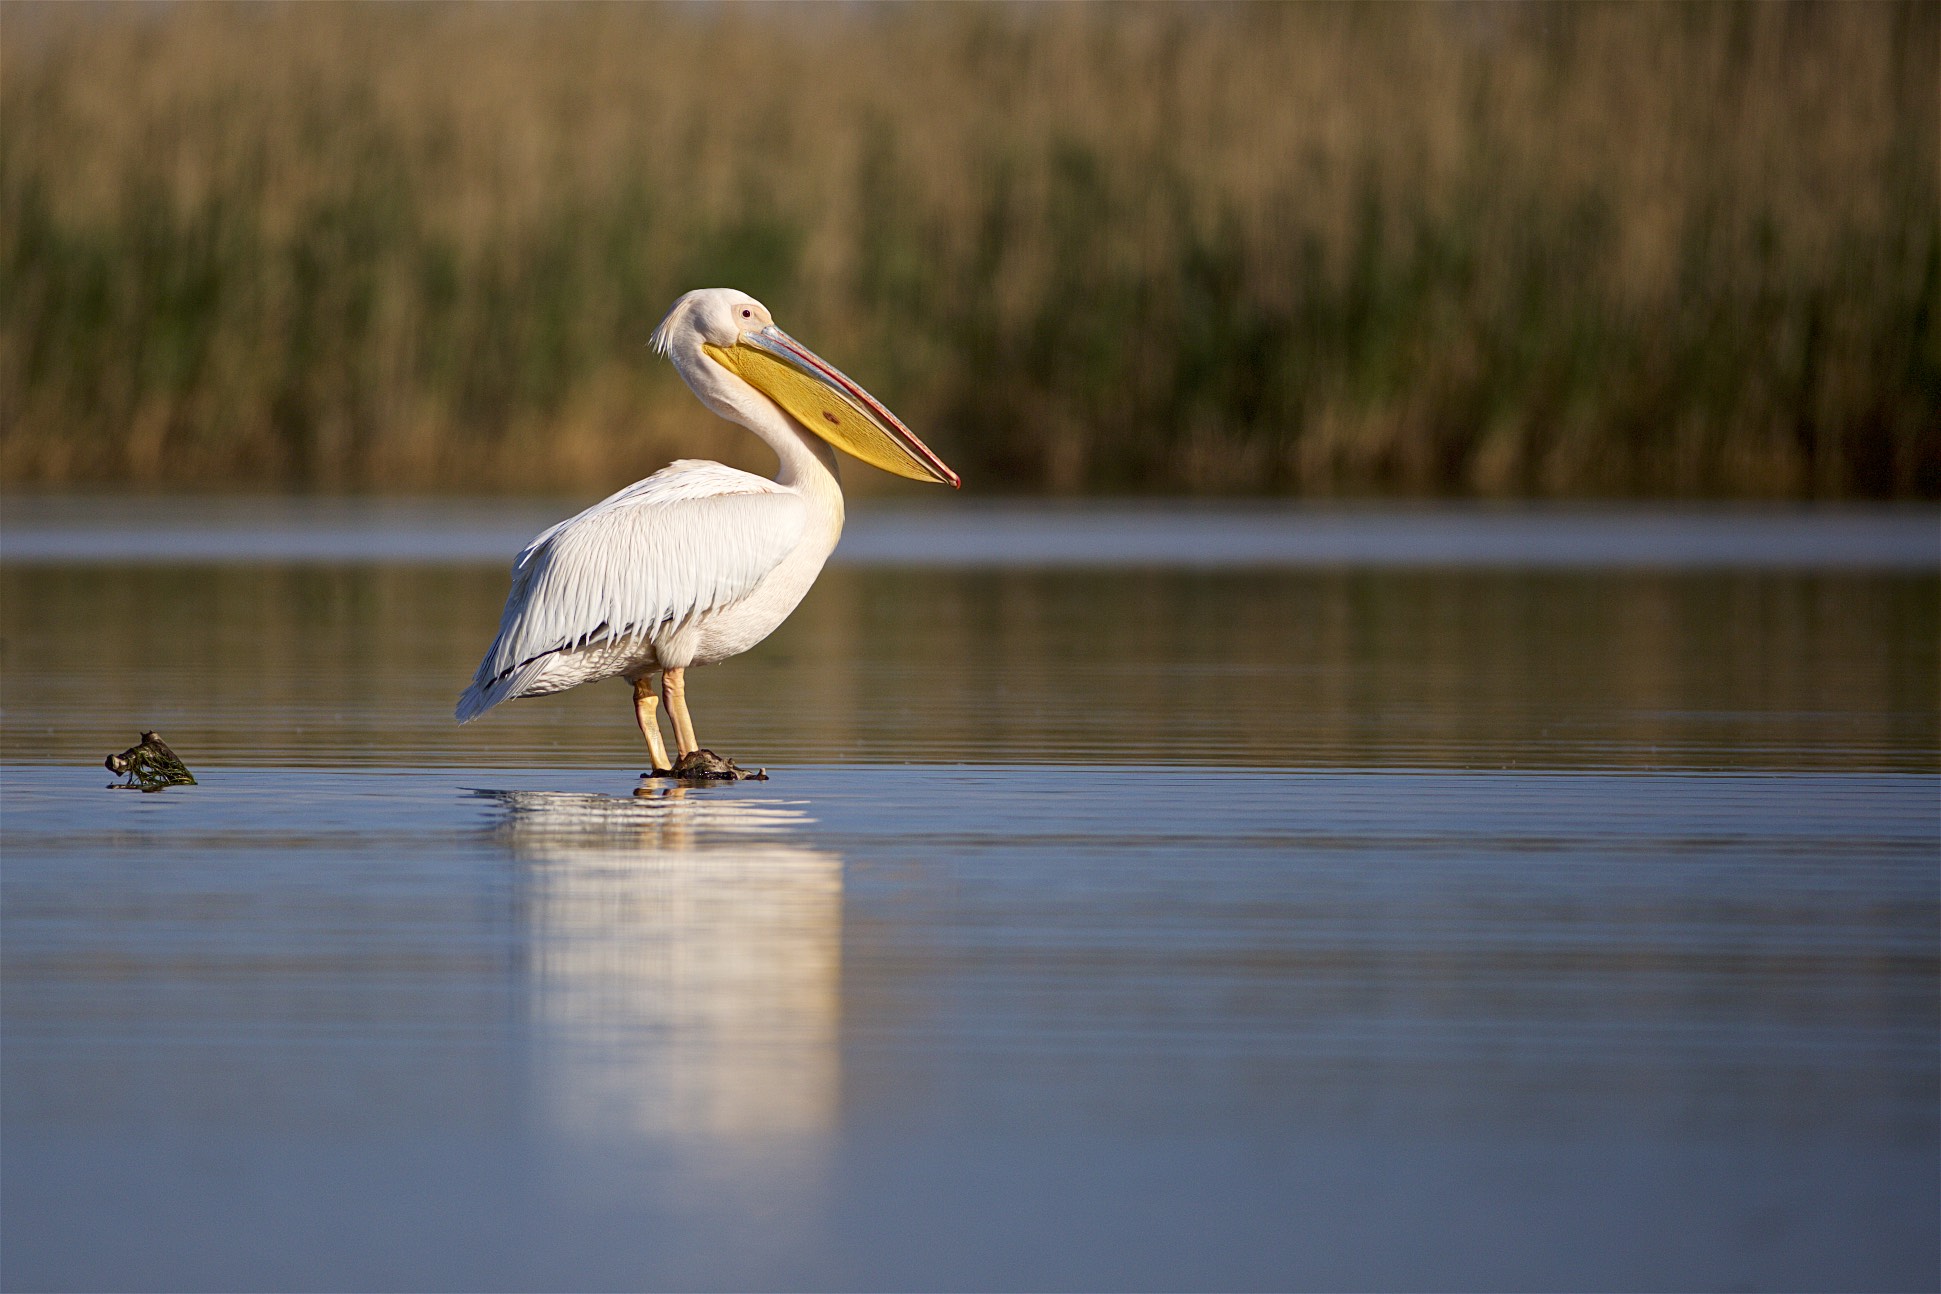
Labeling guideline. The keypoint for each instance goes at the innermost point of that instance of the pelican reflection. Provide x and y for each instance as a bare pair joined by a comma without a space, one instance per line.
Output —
685,963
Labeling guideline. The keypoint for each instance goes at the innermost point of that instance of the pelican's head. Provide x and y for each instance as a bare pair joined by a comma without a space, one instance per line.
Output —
736,332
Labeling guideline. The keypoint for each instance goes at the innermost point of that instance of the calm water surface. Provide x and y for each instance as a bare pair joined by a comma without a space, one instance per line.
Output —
1378,910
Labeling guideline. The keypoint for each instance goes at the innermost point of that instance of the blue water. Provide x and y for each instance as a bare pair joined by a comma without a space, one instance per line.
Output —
971,1027
986,533
1249,927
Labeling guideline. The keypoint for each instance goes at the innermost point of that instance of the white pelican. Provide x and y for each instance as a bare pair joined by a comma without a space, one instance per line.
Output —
699,562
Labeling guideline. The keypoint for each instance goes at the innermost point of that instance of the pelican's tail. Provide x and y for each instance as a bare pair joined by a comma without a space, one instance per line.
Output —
487,692
479,698
527,678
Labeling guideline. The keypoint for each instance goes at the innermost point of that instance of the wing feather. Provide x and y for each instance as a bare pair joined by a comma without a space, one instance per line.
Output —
634,568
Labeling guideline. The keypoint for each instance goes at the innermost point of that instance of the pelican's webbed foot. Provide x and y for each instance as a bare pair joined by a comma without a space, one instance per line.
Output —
706,766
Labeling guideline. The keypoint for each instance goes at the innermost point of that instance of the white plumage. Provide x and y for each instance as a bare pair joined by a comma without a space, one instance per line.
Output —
698,562
635,579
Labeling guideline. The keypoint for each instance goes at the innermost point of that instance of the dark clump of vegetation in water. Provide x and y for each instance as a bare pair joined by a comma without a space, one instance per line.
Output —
1494,250
149,765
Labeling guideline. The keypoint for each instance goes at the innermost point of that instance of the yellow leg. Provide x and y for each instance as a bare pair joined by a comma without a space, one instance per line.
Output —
644,705
674,684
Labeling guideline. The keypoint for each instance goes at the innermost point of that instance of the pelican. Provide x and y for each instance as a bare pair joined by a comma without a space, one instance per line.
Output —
699,562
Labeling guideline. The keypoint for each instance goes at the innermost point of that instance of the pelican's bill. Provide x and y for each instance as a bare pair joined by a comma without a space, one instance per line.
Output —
823,399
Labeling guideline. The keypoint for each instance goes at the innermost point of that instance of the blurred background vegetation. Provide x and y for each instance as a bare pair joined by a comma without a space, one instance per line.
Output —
1501,250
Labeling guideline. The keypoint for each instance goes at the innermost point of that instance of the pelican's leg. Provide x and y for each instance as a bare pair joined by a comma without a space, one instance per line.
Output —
644,705
674,684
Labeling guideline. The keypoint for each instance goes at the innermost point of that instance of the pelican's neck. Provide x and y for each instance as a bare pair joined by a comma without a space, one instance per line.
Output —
808,464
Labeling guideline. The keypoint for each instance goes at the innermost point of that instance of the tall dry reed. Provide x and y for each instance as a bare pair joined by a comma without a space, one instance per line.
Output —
1573,250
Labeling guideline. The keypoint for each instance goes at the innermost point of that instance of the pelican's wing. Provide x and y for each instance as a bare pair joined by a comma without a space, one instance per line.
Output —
691,537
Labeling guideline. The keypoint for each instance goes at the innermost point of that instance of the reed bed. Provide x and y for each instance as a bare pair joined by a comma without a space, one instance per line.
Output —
1578,250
